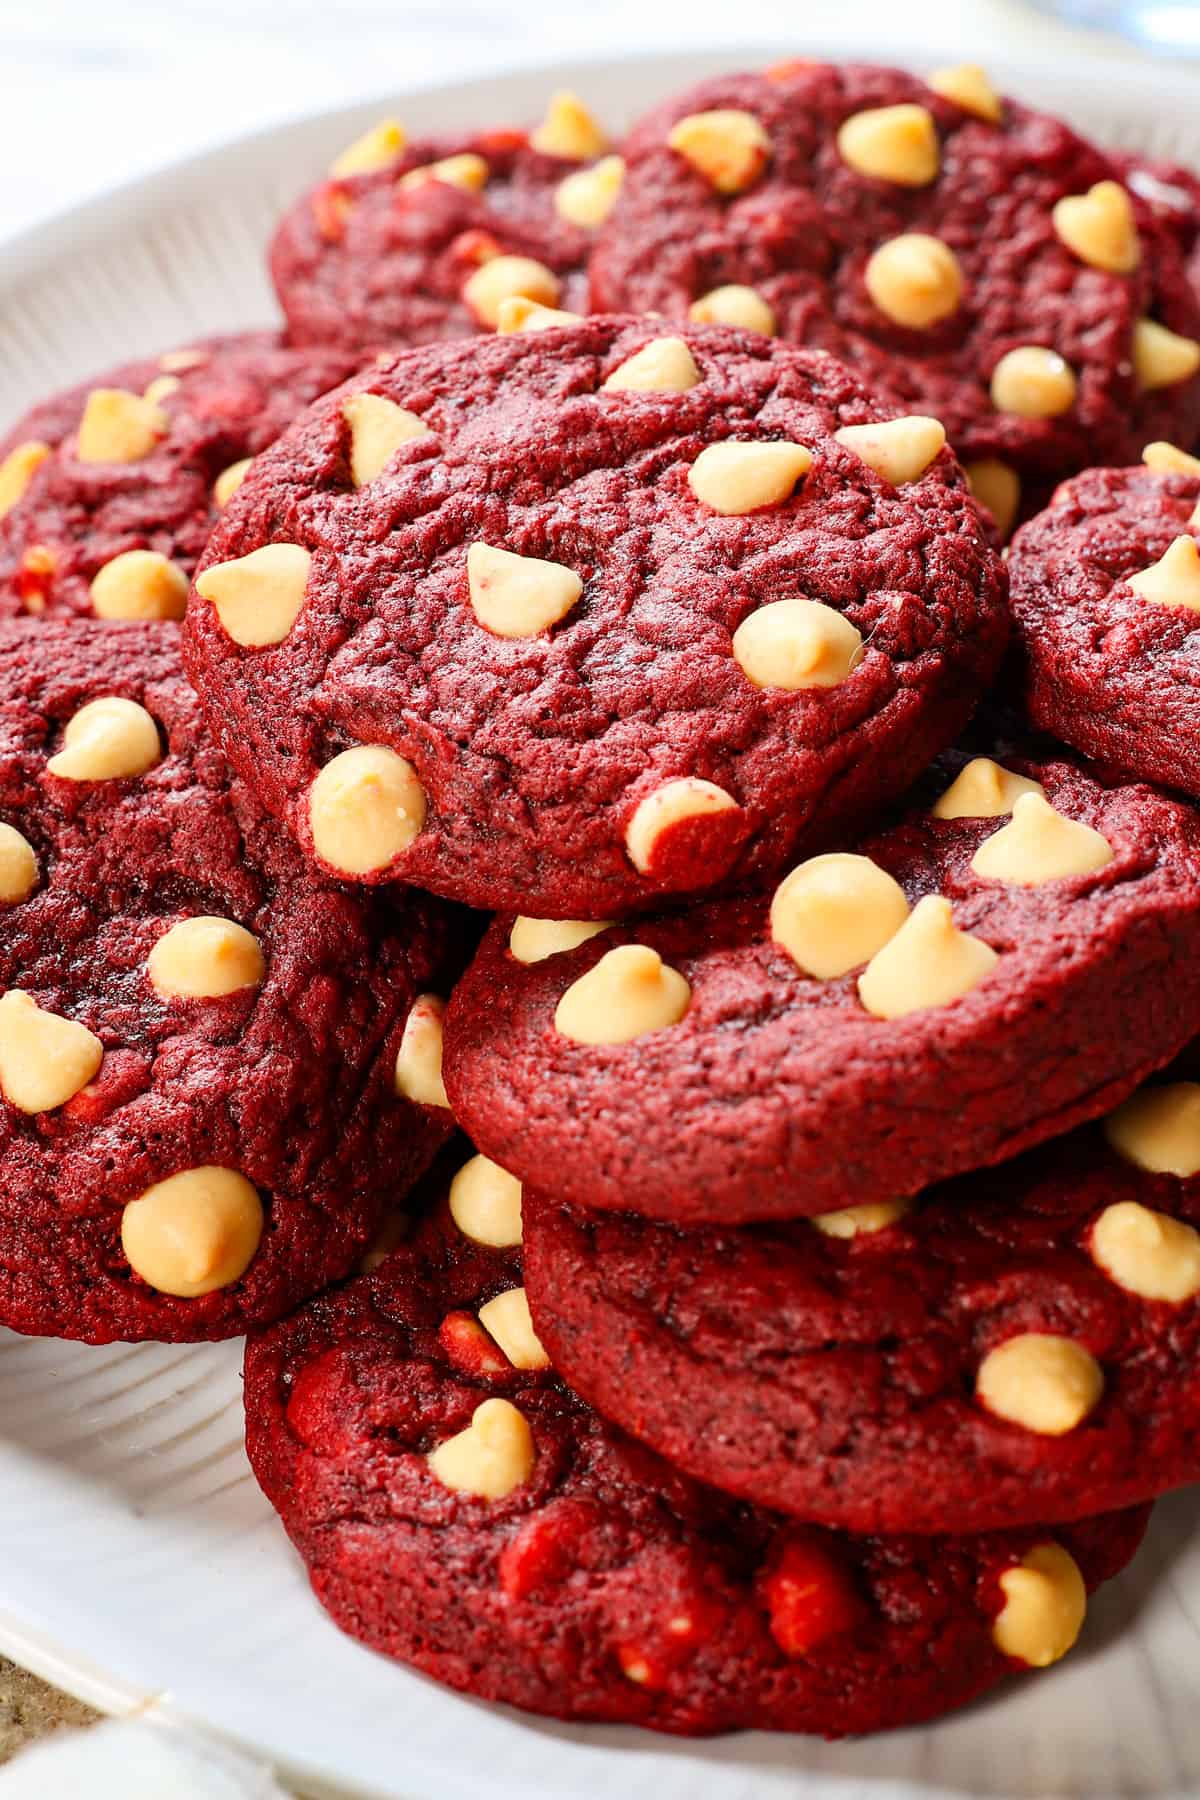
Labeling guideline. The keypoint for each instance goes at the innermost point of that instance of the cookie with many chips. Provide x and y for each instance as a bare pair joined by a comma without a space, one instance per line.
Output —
413,242
460,1509
1009,959
109,490
976,260
1018,1345
574,620
216,1070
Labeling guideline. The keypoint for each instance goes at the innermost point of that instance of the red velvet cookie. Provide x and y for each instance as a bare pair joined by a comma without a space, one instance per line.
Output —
460,1509
1105,590
977,261
411,243
203,1048
1017,1345
954,991
108,492
592,642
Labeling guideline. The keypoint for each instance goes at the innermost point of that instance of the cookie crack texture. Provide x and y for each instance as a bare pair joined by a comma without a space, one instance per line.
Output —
535,750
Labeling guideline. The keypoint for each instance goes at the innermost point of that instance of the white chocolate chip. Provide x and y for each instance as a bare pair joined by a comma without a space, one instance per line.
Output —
229,481
1033,383
364,808
1045,1604
667,807
743,307
485,1204
663,366
107,740
518,314
1099,228
378,427
983,790
505,277
998,487
140,584
857,1221
18,866
929,962
44,1059
518,596
18,470
899,450
494,1455
466,171
1044,1383
735,478
727,146
1147,1253
193,1233
1161,358
161,388
419,1059
794,644
119,427
203,958
507,1320
1174,580
258,597
587,196
376,149
1158,1129
967,85
835,912
628,993
569,129
177,362
533,940
915,280
892,143
1039,845
1169,459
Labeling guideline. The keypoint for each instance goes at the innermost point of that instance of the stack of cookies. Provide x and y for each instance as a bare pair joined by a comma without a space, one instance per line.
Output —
606,725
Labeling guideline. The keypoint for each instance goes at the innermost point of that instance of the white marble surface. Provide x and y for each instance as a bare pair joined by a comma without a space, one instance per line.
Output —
93,92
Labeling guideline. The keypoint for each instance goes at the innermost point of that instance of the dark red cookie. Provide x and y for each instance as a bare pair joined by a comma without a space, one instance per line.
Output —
747,1088
137,1044
383,254
108,468
804,227
1022,1344
619,749
596,1582
1172,192
1107,666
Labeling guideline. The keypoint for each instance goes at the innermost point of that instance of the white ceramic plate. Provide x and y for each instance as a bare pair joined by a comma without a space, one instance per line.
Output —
140,1565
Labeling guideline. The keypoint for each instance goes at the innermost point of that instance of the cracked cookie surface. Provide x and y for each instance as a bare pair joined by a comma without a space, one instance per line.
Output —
128,463
185,1014
600,1583
549,612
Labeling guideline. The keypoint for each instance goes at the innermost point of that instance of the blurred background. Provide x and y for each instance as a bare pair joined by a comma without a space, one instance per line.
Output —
93,92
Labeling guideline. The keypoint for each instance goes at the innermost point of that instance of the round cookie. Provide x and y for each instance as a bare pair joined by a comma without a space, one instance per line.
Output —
952,991
460,1509
410,243
108,491
973,259
593,643
205,1051
1105,593
1015,1346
